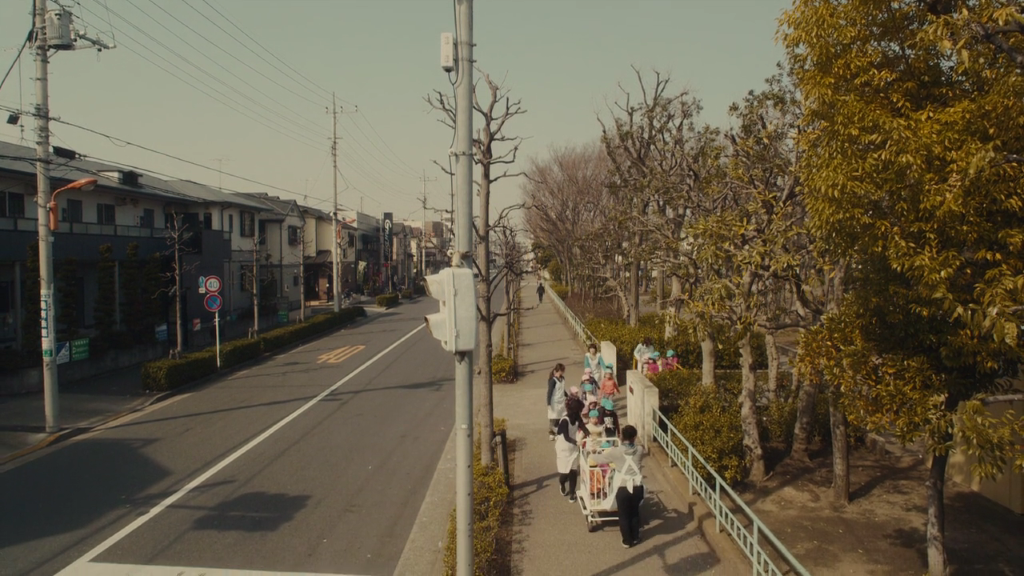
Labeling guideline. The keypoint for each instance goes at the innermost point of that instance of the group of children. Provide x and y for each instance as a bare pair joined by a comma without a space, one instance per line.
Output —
649,361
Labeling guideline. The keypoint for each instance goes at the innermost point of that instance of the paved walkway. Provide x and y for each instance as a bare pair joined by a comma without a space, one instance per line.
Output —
551,533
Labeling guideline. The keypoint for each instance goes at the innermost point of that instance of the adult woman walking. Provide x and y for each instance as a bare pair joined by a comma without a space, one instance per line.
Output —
556,397
567,451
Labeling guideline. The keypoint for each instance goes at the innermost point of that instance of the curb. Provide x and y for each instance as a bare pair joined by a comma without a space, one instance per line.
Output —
58,437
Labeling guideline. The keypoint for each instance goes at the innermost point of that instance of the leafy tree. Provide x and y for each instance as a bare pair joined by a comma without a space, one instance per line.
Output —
106,296
915,125
67,294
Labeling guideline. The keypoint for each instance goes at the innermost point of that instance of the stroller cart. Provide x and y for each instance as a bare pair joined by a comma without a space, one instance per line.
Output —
599,483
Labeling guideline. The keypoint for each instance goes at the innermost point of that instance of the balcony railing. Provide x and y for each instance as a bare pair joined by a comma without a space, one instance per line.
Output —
89,228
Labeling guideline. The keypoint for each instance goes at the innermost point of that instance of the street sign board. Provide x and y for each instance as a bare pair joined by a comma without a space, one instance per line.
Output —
161,332
202,284
63,352
79,349
45,298
212,284
196,325
213,302
282,317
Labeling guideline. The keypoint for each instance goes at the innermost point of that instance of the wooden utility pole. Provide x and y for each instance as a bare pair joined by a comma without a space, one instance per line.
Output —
423,228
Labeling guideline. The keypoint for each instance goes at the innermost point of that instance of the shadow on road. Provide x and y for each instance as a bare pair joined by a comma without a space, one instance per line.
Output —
252,512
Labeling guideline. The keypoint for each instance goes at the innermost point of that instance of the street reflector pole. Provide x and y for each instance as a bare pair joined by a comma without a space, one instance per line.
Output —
464,247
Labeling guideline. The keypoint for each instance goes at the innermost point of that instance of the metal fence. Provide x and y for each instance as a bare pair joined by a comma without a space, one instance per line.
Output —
575,323
752,536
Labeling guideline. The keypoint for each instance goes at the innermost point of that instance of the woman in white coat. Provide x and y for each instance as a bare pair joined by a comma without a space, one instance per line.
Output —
555,398
567,451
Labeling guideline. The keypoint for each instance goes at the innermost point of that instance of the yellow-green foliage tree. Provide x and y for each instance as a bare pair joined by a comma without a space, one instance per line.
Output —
914,117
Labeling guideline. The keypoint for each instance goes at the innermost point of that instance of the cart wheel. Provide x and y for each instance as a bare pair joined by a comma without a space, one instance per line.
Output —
591,525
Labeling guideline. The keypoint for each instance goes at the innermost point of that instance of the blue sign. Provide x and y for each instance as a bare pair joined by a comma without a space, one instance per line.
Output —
63,352
213,302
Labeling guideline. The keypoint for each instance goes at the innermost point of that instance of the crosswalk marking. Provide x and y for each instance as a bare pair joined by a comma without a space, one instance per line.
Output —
336,356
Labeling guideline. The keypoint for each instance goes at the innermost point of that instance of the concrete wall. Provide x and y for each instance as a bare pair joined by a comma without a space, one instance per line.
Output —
31,379
641,402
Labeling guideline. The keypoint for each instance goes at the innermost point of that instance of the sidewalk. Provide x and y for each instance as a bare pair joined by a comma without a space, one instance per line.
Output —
85,405
550,532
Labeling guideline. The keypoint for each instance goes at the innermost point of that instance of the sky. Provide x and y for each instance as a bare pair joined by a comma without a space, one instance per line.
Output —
268,67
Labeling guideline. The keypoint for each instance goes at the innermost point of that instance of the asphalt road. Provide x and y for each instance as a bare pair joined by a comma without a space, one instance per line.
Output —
334,489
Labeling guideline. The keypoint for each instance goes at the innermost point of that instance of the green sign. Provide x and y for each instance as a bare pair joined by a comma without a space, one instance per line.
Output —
79,349
282,317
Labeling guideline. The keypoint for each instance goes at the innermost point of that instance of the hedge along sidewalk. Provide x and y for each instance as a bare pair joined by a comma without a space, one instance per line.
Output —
170,374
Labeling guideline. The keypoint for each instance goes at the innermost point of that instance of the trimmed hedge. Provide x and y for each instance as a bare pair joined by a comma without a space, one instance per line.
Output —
168,374
387,300
407,294
560,291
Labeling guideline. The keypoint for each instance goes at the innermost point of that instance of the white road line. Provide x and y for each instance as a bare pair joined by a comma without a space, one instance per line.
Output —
107,569
222,464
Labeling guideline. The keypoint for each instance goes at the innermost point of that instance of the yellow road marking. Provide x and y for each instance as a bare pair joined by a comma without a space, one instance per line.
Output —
339,355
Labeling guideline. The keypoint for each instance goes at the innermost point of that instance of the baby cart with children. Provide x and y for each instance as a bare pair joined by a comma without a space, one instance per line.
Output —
600,481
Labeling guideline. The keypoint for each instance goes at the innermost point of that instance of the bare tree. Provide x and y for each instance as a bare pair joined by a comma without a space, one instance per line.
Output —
494,165
178,238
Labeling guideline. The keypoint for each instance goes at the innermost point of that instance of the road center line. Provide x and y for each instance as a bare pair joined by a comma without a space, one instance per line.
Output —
70,570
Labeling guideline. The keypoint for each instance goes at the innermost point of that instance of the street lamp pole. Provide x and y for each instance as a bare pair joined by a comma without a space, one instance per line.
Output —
47,324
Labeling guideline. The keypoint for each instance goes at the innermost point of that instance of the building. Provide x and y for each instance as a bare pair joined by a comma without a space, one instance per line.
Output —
281,233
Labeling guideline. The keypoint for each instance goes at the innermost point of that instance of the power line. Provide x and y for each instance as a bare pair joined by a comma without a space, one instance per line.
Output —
383,141
365,168
265,49
221,28
221,66
375,147
199,68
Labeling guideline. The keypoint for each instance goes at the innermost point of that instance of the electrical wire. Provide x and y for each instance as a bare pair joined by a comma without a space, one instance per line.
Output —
313,126
265,49
221,28
17,58
400,165
200,69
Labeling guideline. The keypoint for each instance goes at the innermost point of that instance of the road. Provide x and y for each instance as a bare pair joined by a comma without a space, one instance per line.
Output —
316,460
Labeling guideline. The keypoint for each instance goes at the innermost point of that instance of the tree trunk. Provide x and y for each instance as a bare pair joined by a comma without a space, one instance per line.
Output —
661,288
936,486
748,412
634,293
840,451
485,411
707,354
806,398
672,313
773,365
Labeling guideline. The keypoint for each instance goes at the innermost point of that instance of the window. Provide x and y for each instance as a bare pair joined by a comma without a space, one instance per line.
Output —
248,224
295,280
12,205
207,221
148,218
73,211
293,235
263,232
231,222
105,214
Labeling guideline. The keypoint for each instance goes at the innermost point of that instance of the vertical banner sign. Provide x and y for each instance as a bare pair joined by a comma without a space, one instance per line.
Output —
45,310
388,224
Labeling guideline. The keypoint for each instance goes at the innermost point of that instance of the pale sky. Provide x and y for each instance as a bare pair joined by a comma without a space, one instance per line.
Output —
563,58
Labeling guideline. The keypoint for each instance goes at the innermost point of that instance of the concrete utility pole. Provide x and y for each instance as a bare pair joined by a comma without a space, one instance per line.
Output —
423,228
334,213
464,246
48,326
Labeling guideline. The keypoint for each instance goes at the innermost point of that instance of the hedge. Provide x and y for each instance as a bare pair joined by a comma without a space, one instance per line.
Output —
387,300
503,368
560,291
407,294
168,374
490,511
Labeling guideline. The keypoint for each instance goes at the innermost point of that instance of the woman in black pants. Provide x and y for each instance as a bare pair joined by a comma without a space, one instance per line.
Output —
567,451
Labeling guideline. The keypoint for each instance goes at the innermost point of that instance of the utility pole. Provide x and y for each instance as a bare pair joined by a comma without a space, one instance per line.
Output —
334,213
48,320
423,229
464,247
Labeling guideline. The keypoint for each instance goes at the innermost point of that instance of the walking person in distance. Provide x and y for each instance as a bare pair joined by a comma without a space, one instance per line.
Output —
540,293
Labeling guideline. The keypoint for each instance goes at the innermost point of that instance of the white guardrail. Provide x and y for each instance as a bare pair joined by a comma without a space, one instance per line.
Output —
642,403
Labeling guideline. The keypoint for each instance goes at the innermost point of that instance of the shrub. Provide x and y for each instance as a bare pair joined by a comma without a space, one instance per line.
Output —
407,294
626,337
674,387
387,300
560,291
503,368
237,351
168,374
776,421
712,425
490,501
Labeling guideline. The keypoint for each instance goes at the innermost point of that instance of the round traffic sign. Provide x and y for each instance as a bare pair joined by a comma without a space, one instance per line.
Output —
212,284
213,302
